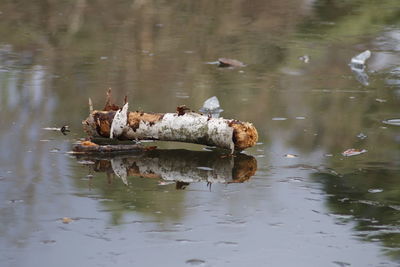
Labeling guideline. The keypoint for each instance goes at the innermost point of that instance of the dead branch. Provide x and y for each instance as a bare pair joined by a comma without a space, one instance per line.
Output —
182,126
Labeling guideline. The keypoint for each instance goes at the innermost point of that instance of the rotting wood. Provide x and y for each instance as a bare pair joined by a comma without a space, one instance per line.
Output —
87,147
182,126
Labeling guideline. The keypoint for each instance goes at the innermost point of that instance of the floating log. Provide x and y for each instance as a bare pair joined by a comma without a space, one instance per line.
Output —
182,126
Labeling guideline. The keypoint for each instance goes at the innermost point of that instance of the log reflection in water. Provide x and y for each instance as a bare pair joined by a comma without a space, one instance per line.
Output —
180,166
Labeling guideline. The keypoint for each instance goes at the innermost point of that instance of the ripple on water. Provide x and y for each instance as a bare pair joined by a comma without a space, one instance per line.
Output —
226,243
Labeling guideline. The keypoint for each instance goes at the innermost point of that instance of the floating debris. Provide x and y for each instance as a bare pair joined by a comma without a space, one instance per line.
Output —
64,129
279,119
290,156
357,66
380,100
361,58
377,190
227,62
66,220
305,58
353,152
362,136
211,107
195,262
395,122
48,241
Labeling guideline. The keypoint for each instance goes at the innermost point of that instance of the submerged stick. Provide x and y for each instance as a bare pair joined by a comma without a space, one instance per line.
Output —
89,148
182,126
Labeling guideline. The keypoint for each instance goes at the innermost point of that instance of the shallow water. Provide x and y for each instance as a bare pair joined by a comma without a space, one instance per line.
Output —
293,199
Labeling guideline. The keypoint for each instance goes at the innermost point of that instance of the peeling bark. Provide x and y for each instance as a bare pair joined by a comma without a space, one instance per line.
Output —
182,126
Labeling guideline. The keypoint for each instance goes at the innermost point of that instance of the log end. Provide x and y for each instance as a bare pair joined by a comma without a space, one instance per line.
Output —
245,135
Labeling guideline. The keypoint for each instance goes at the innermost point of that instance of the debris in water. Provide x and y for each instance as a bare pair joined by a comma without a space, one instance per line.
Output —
362,136
305,58
213,62
377,190
211,107
279,119
395,122
341,263
195,262
227,62
357,66
290,156
66,220
353,152
64,129
48,241
380,100
361,58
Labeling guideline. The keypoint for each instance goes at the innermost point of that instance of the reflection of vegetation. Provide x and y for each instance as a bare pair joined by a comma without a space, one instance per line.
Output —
371,196
142,195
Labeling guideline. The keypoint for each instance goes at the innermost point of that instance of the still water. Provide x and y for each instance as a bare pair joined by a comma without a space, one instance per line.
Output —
292,200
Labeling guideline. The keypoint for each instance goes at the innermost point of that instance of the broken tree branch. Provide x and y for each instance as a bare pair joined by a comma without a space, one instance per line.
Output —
182,126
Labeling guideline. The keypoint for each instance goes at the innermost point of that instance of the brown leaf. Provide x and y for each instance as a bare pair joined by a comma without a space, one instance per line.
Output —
66,220
353,152
227,62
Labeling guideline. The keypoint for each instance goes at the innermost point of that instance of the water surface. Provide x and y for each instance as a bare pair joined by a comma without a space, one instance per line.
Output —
293,199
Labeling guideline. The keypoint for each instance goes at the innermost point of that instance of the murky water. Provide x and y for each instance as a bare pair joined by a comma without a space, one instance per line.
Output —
293,200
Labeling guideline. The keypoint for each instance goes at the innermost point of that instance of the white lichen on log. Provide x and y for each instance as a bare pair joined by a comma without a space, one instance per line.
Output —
183,126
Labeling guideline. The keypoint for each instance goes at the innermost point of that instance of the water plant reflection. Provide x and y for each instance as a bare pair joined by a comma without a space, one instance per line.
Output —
180,166
369,197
